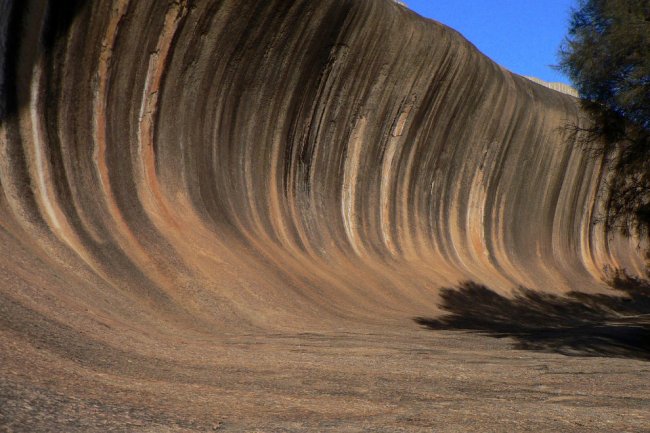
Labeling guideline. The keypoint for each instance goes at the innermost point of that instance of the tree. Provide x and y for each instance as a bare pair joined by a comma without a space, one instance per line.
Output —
607,56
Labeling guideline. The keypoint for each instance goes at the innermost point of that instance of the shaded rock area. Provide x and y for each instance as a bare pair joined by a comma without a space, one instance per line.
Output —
576,324
224,215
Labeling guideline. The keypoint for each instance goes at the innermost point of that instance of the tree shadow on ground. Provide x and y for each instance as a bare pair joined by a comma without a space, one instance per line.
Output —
576,324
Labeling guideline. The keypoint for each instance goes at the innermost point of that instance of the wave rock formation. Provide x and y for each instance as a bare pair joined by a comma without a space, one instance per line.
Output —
560,87
177,177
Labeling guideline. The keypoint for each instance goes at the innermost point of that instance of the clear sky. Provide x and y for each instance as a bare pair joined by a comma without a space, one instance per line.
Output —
521,35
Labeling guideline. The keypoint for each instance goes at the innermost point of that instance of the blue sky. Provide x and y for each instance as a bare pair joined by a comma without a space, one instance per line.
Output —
521,35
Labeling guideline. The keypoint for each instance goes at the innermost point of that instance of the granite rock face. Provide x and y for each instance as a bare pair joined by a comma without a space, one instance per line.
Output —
177,173
560,87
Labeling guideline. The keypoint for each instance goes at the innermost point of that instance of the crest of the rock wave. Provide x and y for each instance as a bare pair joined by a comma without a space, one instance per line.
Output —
560,87
176,173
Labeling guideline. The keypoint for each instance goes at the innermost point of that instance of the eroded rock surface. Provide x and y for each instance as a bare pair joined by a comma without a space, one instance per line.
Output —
225,215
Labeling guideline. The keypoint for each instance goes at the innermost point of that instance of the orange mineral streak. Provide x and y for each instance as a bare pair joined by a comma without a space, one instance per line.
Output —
121,230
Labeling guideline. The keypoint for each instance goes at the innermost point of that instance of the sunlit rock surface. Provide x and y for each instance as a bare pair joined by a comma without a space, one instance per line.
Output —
560,87
227,214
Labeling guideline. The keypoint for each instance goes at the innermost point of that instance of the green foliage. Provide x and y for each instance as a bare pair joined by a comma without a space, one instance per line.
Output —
607,56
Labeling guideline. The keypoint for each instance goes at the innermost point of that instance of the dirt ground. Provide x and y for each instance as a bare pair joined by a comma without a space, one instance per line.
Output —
413,380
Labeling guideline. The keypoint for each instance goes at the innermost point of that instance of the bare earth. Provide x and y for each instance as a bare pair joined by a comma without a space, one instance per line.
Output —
415,381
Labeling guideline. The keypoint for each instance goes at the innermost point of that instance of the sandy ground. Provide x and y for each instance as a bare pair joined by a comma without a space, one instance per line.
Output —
416,380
